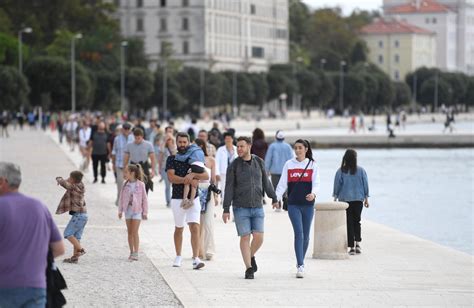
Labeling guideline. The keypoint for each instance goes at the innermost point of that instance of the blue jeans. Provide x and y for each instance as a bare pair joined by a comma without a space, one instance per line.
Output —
249,220
23,297
301,217
164,175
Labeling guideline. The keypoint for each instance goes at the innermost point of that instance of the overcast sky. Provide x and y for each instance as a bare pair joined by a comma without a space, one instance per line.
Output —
347,5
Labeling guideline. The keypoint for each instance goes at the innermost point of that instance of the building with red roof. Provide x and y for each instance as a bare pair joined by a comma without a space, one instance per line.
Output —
398,47
451,20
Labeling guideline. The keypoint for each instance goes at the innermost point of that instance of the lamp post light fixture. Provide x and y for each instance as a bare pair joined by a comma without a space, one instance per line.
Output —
77,36
123,45
20,49
322,62
341,85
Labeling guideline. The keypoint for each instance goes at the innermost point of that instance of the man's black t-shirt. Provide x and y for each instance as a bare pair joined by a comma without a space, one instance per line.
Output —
181,170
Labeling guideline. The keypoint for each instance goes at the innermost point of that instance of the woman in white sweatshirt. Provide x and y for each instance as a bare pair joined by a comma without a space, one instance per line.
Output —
300,176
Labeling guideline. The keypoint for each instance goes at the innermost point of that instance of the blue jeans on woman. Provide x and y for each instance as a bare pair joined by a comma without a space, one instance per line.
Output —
301,217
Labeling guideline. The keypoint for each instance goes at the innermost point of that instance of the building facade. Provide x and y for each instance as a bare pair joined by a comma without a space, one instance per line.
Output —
453,22
399,48
239,35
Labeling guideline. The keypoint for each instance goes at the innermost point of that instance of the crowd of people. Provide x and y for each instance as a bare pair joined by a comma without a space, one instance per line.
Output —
200,169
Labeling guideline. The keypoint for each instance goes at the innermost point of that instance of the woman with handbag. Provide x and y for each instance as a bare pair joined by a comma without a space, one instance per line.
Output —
300,176
351,186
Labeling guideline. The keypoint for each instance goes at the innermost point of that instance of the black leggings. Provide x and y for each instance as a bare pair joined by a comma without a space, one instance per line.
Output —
353,213
95,165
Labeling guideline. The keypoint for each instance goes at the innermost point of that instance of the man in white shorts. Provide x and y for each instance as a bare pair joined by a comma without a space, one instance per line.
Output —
178,175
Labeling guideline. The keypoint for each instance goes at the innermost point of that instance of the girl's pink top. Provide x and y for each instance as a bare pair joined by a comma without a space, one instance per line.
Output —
139,198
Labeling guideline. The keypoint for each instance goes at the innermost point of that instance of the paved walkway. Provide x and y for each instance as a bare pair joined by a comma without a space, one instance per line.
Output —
103,277
395,269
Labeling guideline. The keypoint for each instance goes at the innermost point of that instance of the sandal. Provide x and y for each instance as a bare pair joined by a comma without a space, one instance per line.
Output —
81,252
134,256
73,260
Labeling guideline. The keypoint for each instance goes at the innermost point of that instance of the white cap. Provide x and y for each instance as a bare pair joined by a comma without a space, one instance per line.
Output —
280,135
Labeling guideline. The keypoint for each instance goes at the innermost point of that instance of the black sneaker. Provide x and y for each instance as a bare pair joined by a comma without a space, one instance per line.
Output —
358,250
352,251
254,264
95,181
103,181
249,273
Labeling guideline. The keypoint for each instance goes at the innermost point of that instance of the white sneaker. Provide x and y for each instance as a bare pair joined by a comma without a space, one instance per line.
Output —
277,210
177,261
197,264
300,272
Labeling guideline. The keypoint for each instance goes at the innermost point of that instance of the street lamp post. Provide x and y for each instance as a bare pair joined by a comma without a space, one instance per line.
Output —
123,45
234,93
20,49
73,71
165,89
201,91
341,85
436,92
322,62
414,91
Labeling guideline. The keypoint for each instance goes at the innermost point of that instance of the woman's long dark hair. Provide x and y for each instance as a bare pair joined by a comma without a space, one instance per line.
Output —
307,145
349,161
202,145
258,134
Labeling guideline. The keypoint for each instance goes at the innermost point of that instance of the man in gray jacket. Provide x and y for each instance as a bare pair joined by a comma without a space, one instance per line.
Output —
246,181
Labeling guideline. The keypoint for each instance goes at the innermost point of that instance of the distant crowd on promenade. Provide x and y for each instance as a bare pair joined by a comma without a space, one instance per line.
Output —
201,169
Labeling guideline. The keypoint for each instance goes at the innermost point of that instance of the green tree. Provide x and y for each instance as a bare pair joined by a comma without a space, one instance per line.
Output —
175,101
327,90
13,89
378,96
469,98
48,16
260,87
106,92
9,50
299,22
217,90
139,88
310,87
354,92
402,94
136,53
421,74
50,82
359,52
457,85
427,92
5,22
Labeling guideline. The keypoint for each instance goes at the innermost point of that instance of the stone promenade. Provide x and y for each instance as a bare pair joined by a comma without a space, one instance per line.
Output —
395,269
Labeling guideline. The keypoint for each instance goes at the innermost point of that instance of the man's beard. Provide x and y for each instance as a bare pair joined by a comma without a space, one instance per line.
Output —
181,150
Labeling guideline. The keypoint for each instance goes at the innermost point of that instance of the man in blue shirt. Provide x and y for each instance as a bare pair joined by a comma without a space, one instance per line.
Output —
118,152
277,155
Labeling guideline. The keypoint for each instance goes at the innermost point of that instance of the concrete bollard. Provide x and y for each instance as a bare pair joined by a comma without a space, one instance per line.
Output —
330,231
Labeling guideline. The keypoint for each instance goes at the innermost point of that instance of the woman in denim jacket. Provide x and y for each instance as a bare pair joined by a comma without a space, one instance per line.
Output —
351,186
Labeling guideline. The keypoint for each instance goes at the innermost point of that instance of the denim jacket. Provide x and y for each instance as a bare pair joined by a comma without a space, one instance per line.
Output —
351,187
138,200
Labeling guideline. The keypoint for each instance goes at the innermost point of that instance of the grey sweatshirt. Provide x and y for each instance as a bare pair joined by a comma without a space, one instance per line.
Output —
246,183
